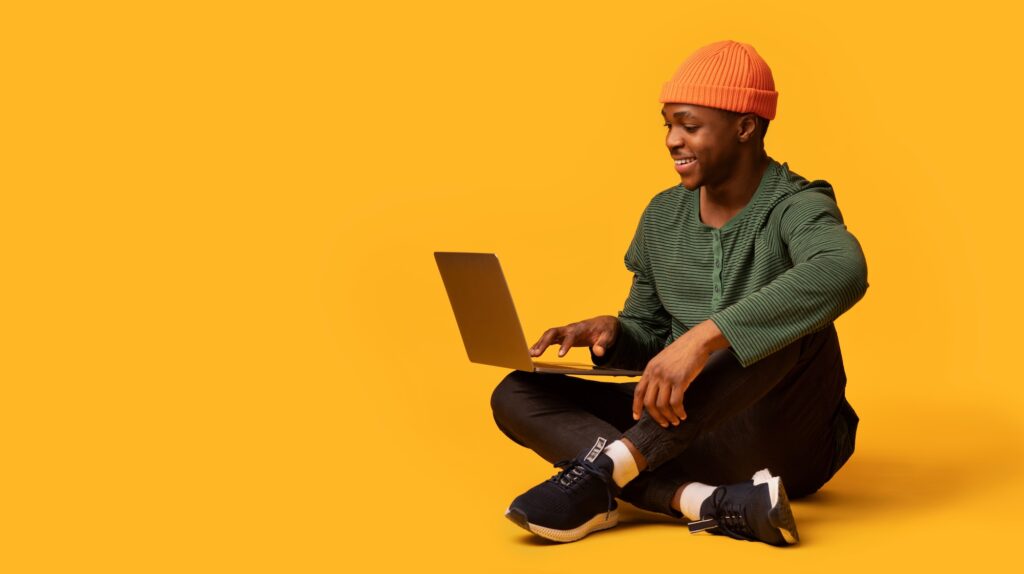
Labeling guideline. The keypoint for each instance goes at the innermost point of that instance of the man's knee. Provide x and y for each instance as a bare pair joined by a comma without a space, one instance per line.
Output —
506,399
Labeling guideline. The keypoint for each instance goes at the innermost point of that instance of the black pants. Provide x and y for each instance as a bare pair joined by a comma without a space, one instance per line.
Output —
786,412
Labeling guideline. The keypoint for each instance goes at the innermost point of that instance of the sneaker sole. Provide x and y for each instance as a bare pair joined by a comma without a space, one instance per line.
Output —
781,515
602,521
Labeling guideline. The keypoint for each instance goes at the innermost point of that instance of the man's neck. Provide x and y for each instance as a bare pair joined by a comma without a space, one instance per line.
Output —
733,194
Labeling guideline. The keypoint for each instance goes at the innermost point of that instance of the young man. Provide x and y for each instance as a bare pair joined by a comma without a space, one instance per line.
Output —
738,275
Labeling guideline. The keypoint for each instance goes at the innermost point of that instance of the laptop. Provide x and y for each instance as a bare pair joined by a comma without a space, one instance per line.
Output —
487,317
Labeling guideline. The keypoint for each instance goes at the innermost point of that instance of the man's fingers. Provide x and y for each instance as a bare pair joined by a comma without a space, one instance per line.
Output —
567,342
545,340
665,407
651,402
676,402
599,345
662,404
638,397
541,343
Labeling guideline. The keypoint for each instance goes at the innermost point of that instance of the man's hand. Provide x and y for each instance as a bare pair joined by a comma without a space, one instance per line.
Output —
670,372
598,332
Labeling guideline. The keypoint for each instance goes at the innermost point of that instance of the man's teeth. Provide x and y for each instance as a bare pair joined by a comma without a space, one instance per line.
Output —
684,161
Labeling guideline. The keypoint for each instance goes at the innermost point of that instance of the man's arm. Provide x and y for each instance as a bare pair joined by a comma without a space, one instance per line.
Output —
828,276
644,325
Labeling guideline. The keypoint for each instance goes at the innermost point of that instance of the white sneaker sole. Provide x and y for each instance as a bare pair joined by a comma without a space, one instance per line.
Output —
602,521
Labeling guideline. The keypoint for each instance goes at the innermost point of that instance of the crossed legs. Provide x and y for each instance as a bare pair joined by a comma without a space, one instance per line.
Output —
778,413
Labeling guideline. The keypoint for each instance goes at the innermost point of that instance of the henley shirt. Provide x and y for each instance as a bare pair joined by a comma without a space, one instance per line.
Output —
783,267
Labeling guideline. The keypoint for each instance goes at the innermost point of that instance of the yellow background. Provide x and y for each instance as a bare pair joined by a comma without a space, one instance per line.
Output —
226,346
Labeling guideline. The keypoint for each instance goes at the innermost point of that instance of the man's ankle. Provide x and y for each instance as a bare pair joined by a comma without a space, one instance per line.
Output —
641,461
624,465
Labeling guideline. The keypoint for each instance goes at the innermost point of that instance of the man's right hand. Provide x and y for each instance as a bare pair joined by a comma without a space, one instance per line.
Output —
598,332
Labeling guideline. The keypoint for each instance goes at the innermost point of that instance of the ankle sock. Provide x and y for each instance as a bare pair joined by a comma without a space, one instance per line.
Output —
624,469
692,497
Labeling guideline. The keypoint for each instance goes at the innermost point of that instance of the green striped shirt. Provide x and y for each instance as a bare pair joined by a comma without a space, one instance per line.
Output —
783,267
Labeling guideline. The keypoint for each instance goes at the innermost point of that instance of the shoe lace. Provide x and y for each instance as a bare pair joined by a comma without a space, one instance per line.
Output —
724,518
576,472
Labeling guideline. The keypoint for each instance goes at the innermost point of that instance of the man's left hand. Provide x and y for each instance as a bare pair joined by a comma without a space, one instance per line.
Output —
670,372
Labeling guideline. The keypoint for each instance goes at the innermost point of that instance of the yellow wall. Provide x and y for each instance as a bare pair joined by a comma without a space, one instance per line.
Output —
226,346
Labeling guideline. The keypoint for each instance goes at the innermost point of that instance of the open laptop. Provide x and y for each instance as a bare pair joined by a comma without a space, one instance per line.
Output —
487,317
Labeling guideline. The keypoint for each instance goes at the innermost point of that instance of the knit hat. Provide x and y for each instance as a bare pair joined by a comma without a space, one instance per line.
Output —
726,75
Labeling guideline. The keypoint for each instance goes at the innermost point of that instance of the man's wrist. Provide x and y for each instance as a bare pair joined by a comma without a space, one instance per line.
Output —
709,336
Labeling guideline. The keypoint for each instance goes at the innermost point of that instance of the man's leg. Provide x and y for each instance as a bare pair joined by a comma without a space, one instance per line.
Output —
720,391
798,430
557,415
795,397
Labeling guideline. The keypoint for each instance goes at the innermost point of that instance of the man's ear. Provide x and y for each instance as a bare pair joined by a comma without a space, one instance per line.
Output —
746,127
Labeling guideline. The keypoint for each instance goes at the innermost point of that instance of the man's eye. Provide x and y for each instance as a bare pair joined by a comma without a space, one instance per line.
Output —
689,129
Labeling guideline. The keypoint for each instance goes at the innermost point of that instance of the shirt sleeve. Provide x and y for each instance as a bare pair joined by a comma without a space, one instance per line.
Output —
644,324
828,276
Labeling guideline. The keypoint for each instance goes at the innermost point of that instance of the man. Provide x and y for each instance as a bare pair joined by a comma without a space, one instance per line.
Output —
739,273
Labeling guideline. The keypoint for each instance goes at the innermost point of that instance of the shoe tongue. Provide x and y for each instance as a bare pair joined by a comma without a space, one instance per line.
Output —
710,505
596,450
605,463
597,457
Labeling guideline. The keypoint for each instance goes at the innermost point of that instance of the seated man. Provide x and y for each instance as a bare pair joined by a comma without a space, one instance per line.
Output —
738,275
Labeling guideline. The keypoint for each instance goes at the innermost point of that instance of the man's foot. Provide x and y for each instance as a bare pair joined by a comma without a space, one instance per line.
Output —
755,510
580,499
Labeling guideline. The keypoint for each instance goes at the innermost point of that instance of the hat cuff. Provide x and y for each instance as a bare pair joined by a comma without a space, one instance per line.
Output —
735,99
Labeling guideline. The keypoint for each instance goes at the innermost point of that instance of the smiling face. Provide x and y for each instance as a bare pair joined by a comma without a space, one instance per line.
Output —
706,143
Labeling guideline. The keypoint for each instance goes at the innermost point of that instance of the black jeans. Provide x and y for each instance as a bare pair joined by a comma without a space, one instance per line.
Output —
786,412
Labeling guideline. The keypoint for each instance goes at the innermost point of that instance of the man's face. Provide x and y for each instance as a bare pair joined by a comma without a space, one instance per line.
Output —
704,139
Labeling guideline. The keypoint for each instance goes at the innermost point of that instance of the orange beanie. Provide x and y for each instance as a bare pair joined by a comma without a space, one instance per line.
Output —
726,75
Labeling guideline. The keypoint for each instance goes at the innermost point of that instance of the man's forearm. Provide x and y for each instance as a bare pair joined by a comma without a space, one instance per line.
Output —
708,336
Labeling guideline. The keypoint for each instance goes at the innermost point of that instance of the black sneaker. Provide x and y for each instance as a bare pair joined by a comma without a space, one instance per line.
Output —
755,510
580,499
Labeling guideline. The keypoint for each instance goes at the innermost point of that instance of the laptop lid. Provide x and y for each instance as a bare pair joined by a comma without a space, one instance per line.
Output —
487,319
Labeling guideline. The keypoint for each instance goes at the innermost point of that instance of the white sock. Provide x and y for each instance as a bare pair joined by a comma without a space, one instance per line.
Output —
692,497
624,469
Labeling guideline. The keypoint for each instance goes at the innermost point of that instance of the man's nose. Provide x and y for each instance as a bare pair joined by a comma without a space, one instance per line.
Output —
673,139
